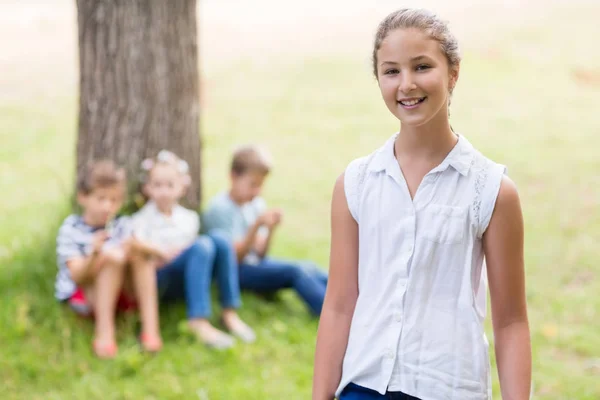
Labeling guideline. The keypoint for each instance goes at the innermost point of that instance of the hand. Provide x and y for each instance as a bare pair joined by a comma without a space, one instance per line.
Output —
136,251
170,255
277,217
166,257
98,241
271,218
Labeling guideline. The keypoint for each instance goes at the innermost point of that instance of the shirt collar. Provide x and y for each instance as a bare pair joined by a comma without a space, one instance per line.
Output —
154,211
460,157
81,224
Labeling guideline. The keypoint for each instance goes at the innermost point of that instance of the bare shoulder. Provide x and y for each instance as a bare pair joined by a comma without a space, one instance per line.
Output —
508,202
508,193
339,183
339,194
506,224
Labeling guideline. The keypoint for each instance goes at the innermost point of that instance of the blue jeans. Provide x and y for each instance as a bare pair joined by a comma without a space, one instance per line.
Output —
270,275
190,274
355,392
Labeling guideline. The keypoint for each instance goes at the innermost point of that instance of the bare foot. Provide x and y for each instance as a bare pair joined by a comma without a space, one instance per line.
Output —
105,348
237,327
151,342
209,335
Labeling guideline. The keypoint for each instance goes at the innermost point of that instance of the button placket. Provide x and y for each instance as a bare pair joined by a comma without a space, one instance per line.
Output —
398,316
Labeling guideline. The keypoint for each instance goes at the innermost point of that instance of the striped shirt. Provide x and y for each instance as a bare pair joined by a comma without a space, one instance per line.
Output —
74,240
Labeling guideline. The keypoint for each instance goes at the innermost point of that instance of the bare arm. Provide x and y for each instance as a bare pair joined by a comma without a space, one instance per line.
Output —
245,245
263,241
503,247
340,299
144,250
270,219
140,246
84,269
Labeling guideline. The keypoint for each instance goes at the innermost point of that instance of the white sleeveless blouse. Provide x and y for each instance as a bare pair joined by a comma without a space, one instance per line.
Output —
418,322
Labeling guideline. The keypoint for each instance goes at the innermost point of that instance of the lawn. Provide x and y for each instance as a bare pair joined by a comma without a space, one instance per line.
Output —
527,97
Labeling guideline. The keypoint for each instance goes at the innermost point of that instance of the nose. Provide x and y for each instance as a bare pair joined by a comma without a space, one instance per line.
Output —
106,206
407,83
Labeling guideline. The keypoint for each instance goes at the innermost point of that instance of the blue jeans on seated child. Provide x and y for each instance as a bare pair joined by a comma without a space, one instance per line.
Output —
190,274
355,392
269,275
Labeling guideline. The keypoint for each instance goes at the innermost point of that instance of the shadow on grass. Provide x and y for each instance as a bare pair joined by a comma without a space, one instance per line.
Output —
46,348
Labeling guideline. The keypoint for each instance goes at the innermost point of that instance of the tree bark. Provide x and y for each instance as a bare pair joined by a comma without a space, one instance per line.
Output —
139,88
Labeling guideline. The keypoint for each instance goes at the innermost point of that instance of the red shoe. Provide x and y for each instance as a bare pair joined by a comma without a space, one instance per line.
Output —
151,344
105,351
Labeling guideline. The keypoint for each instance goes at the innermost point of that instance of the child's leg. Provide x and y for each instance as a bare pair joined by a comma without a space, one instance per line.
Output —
315,271
226,270
321,276
190,275
106,289
143,274
272,274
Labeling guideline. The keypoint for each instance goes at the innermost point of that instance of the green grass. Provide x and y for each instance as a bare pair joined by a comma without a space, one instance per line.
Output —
518,103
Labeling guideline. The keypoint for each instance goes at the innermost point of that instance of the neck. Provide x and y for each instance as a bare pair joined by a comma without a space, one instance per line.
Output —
165,209
89,220
428,140
236,199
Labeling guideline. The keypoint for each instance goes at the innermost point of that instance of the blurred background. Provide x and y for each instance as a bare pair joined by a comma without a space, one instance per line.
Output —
296,77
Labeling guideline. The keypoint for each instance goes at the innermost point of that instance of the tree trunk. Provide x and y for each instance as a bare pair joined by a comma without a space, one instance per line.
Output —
138,63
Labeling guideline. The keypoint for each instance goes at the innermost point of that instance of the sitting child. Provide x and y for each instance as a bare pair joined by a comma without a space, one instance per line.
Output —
186,263
92,251
242,213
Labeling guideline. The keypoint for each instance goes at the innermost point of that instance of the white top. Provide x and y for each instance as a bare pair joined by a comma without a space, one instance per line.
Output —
418,322
178,230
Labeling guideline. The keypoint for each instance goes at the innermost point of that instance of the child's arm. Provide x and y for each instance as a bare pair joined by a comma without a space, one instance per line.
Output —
263,241
85,268
137,245
249,242
503,247
246,244
340,298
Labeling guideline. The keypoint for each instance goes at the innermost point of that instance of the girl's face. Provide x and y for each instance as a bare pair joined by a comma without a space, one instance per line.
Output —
414,77
165,186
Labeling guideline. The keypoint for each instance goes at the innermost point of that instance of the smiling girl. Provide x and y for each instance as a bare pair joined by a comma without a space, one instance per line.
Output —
411,225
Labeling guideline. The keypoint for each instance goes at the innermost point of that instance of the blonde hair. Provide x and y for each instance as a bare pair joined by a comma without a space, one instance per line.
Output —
100,174
251,158
424,20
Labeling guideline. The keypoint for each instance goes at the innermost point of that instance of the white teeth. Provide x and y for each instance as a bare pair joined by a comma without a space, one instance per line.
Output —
410,102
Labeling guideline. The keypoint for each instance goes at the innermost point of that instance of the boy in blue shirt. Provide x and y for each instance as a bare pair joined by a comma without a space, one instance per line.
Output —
243,214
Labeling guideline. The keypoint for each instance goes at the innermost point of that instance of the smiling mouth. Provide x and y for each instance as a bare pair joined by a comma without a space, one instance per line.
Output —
412,102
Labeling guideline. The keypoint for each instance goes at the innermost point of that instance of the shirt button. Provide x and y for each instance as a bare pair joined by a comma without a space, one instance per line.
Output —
398,317
389,354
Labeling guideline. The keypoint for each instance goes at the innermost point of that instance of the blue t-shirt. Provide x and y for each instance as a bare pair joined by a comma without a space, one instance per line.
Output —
233,219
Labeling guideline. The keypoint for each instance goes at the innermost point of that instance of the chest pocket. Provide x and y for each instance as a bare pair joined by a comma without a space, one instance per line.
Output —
443,224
